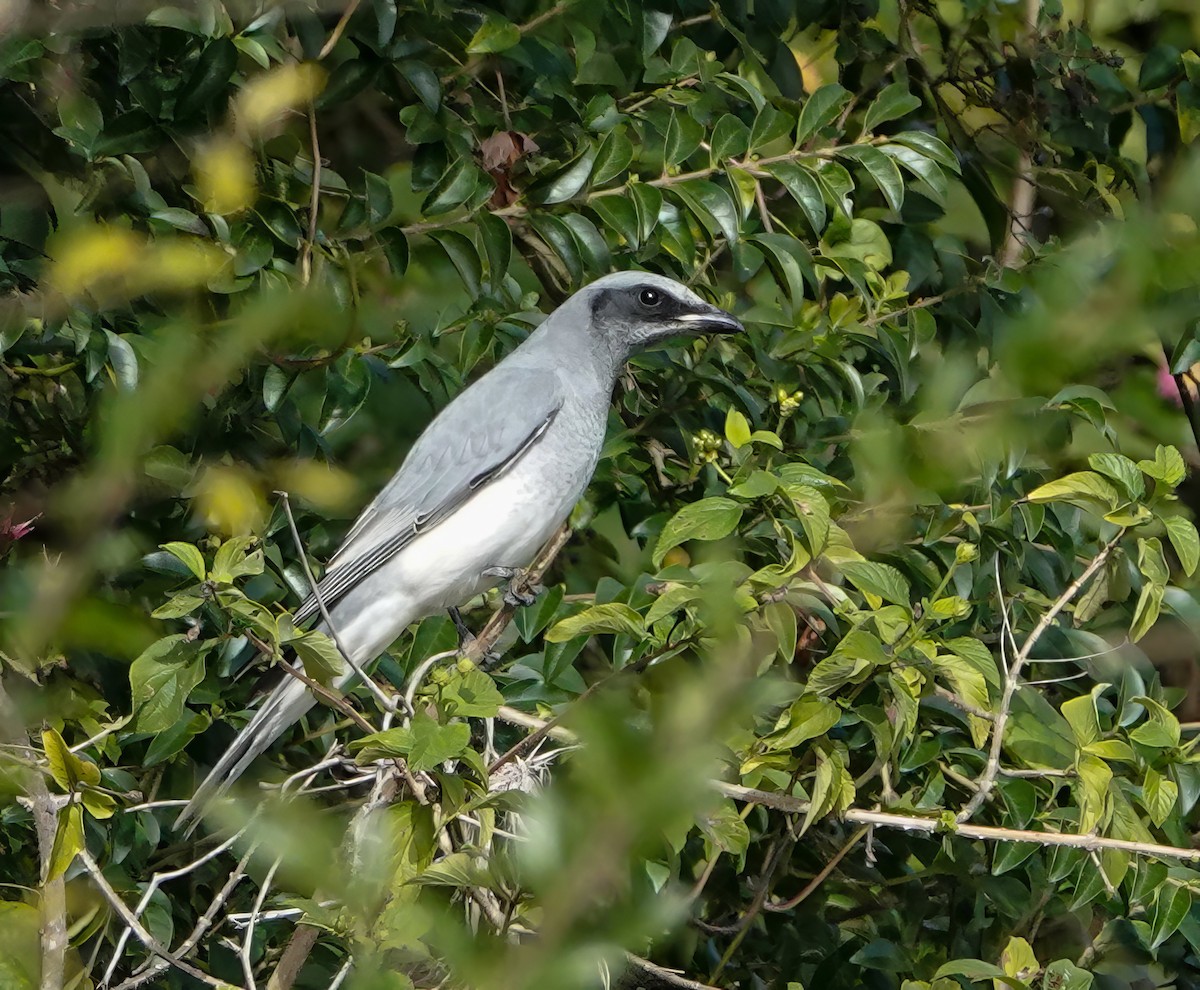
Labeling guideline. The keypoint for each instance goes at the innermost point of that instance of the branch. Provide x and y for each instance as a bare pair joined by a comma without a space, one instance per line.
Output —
143,936
660,976
933,826
495,626
988,778
1023,197
314,203
384,701
53,899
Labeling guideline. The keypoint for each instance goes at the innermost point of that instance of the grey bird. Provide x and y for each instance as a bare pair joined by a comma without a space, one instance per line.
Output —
484,487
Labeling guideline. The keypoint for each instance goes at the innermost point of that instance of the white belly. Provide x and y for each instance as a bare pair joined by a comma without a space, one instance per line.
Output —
503,525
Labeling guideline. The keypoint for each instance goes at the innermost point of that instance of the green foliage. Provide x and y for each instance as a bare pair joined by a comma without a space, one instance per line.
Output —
889,551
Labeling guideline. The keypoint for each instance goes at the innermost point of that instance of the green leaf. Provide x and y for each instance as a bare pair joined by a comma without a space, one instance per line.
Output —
1122,470
726,829
1065,975
425,83
708,519
424,744
1084,488
1171,906
68,841
235,559
737,428
190,556
160,680
1160,67
1094,779
758,484
457,185
930,146
820,109
568,181
1161,730
321,658
209,77
1080,714
1167,466
804,189
1151,561
1146,614
893,101
808,717
713,207
730,139
1158,796
496,34
883,171
612,617
395,249
123,360
1182,534
497,245
560,239
619,215
612,157
881,580
275,385
673,599
856,656
471,694
593,249
463,255
65,767
832,789
791,264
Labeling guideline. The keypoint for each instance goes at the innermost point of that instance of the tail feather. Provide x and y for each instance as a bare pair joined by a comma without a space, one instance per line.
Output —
283,706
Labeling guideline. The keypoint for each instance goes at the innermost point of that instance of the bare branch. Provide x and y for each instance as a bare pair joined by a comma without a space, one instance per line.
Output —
1013,676
143,936
934,826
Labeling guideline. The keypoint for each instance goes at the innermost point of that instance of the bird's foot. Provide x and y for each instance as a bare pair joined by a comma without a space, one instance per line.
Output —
520,591
467,639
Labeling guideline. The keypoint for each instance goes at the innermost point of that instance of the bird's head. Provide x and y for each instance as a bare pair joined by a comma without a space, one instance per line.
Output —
633,311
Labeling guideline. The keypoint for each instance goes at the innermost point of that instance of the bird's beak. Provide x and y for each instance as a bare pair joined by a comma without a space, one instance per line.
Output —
710,319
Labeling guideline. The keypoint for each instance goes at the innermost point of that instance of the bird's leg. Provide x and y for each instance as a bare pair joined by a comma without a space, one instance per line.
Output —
465,636
519,592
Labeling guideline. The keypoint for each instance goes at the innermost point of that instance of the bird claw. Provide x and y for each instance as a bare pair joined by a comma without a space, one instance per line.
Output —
520,593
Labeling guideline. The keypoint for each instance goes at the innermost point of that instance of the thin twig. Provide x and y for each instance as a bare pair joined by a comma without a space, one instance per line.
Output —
248,937
143,936
338,29
384,701
314,202
821,877
156,881
988,778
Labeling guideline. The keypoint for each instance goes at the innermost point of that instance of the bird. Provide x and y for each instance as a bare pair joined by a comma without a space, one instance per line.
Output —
489,481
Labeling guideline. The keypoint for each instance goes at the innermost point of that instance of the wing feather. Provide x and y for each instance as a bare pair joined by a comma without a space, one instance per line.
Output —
464,448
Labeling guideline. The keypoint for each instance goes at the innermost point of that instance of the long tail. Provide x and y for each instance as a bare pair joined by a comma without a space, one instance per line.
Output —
283,707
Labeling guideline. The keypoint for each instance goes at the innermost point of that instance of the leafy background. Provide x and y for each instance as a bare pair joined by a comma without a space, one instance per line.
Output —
868,659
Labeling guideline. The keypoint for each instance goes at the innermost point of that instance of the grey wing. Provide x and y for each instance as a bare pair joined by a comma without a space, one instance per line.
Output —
482,433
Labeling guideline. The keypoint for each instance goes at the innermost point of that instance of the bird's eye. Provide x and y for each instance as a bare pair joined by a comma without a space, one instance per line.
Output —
649,297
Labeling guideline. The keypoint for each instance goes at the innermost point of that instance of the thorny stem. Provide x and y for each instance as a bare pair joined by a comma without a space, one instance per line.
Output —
1013,676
